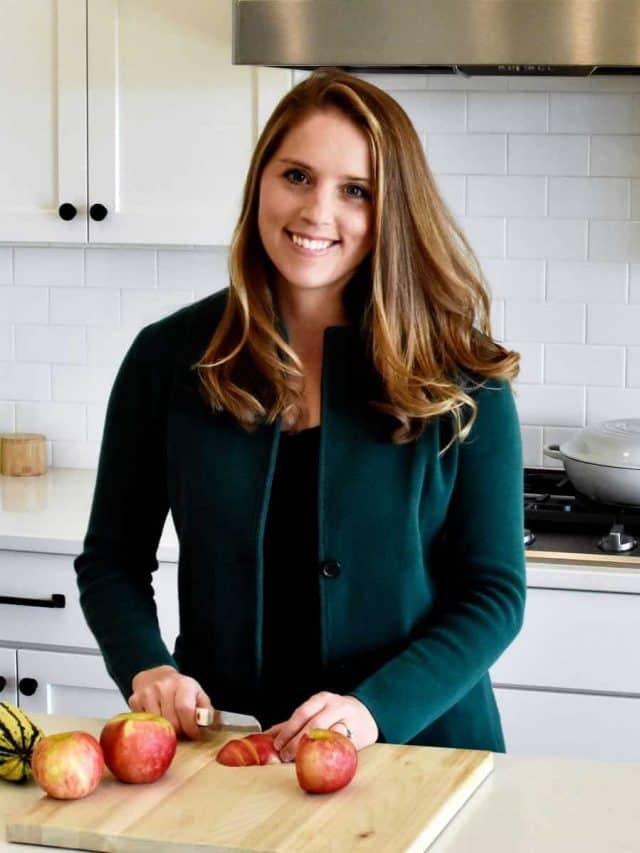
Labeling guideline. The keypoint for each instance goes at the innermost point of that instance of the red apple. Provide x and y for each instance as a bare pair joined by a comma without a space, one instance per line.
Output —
68,765
267,753
326,761
238,753
137,746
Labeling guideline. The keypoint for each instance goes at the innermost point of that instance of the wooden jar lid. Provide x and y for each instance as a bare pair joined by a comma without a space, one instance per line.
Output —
23,454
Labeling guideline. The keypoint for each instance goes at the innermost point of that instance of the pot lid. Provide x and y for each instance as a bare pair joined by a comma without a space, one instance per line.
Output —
614,443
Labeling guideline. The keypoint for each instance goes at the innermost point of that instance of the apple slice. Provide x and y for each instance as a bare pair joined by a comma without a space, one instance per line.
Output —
238,753
267,753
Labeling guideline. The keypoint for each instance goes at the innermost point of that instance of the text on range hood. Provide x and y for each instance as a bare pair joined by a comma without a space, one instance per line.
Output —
468,37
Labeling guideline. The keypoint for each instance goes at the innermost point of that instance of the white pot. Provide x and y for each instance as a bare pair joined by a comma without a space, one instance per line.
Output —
603,461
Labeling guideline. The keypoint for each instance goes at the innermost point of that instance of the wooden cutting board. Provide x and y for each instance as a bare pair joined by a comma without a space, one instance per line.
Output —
399,800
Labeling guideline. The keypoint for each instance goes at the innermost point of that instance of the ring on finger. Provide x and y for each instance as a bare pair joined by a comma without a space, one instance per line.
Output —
348,730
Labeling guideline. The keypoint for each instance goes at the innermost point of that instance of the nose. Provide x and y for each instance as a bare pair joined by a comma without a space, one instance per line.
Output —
318,206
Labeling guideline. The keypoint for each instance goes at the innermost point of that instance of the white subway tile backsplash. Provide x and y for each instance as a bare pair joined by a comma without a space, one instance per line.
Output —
96,414
433,112
6,265
575,364
50,344
614,241
120,270
54,420
140,307
540,321
635,199
24,304
633,367
201,271
85,306
531,355
109,346
75,454
591,113
509,278
82,383
615,155
634,283
6,417
452,190
55,267
599,198
551,405
604,404
613,324
586,281
550,238
548,154
24,381
486,236
5,342
514,112
508,195
467,154
541,173
531,446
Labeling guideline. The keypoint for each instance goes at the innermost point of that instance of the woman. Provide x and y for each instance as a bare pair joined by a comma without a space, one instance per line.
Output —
336,438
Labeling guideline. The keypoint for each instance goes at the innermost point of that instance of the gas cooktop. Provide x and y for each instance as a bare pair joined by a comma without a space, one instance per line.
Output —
559,519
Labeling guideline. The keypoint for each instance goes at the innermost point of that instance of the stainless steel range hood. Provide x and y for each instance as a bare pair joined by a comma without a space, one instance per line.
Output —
468,37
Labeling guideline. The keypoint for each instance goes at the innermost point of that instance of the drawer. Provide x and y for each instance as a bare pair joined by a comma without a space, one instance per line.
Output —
40,576
575,640
570,725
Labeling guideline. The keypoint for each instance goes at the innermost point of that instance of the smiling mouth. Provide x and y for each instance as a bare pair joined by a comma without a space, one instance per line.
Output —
308,248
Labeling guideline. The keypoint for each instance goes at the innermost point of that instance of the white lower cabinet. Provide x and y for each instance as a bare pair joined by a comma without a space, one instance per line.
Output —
569,684
570,725
48,655
69,684
8,676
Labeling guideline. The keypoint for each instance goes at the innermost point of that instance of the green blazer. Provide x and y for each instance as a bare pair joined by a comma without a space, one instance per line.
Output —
421,562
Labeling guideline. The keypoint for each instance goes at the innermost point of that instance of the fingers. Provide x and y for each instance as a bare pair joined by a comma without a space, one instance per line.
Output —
172,695
318,712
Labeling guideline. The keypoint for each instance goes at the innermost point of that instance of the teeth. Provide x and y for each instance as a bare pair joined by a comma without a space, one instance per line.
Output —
311,244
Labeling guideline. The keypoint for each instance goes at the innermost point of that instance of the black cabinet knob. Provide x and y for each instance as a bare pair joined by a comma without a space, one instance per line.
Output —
98,212
3,683
27,686
67,211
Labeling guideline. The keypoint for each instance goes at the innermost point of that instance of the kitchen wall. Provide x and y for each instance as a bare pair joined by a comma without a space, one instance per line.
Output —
542,173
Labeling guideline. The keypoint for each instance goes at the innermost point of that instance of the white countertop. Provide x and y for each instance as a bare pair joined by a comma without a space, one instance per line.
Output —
50,513
526,805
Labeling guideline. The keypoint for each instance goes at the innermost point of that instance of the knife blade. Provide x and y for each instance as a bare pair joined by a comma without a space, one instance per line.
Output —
218,720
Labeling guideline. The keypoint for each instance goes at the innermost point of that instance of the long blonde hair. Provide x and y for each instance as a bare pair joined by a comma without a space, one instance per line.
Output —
427,312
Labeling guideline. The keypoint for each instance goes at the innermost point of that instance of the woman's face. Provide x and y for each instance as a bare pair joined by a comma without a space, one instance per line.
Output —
317,187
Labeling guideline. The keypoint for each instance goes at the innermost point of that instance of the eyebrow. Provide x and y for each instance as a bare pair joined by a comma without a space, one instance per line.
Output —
311,169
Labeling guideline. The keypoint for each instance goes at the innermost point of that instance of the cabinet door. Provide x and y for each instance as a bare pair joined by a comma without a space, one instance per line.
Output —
570,725
69,684
43,127
170,121
8,673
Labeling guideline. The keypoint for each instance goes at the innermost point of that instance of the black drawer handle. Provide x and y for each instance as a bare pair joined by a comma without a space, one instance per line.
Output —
3,683
56,600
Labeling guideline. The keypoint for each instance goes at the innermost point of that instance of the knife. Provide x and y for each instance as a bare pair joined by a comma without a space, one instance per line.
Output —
218,720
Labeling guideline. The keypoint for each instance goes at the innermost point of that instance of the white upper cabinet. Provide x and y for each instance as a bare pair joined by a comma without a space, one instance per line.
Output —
132,113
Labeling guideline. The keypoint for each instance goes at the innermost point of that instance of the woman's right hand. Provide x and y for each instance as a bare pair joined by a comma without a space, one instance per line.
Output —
163,690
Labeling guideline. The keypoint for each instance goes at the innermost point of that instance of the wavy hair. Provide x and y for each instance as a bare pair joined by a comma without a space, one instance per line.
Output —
427,311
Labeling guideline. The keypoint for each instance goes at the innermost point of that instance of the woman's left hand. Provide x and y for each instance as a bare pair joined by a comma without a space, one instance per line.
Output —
322,711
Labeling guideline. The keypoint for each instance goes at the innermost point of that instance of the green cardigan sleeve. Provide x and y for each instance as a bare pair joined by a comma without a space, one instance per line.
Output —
127,515
486,587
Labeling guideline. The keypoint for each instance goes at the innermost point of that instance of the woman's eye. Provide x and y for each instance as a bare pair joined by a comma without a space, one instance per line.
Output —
361,192
290,173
